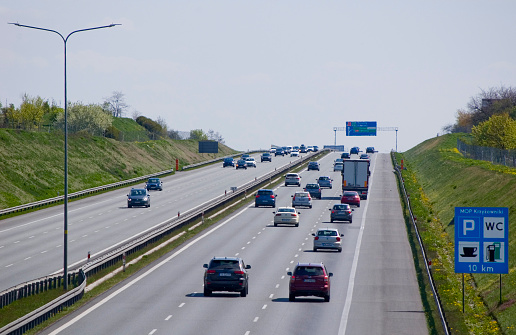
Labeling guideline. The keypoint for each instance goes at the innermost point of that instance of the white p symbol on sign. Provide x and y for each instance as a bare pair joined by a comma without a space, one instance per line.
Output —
468,225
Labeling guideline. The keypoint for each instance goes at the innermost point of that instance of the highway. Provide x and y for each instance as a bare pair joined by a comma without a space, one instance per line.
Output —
373,291
31,245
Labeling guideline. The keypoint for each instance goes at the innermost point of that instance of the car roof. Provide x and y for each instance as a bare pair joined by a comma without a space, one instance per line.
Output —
226,258
287,207
310,264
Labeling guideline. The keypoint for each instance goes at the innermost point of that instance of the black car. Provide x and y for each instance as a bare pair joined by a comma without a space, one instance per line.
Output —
241,164
138,197
226,274
316,148
266,157
279,152
345,155
228,161
154,184
313,166
369,150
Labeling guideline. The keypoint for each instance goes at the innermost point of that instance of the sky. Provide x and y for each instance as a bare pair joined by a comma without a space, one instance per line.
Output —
264,73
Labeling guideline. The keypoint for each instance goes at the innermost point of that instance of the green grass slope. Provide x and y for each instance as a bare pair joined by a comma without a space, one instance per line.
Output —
440,179
32,163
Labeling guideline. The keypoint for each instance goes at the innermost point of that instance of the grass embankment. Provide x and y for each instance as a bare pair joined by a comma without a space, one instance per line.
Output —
32,163
439,179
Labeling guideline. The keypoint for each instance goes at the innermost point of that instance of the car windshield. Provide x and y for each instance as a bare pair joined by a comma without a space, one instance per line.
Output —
138,192
327,233
309,271
223,264
301,195
287,210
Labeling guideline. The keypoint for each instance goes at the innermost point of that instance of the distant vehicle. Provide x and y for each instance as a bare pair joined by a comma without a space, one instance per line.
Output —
324,182
265,197
338,160
250,162
313,166
351,198
154,184
241,164
345,155
266,157
279,152
369,150
339,166
355,176
355,150
226,274
244,156
272,150
327,238
341,212
288,149
314,190
138,197
309,279
302,199
309,149
228,161
294,153
302,149
295,148
364,156
292,179
316,148
286,215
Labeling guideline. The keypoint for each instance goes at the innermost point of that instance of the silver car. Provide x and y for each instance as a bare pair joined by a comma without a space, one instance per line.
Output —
302,199
327,238
286,215
292,179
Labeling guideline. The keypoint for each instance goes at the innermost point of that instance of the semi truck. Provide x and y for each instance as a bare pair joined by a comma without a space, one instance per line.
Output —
355,176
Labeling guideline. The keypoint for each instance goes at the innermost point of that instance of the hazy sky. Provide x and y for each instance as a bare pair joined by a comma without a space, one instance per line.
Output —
267,72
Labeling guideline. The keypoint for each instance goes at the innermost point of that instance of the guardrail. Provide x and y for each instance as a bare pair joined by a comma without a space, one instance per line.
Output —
435,293
111,257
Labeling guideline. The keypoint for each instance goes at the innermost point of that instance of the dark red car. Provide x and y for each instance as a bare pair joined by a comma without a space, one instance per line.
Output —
309,279
350,197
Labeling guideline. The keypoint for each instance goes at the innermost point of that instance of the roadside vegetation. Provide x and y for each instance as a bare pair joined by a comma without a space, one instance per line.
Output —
438,179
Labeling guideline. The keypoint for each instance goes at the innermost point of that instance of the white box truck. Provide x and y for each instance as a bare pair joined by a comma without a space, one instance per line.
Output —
355,176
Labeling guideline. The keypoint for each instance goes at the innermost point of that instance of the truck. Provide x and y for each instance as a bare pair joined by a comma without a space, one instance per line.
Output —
355,176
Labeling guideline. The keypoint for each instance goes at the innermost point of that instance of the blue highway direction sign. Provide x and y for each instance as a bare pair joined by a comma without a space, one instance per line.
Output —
481,240
361,128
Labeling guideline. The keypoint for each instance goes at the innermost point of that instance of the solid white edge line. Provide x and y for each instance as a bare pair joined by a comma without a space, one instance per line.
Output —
351,283
134,281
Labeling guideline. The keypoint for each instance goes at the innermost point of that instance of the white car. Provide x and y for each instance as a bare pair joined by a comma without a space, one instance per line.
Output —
286,215
294,153
309,149
327,238
272,151
338,167
292,179
302,199
250,162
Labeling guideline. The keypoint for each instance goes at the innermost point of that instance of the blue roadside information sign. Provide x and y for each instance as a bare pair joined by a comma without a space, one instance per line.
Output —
481,240
361,128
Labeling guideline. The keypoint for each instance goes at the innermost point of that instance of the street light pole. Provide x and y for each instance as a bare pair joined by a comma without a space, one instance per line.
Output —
65,39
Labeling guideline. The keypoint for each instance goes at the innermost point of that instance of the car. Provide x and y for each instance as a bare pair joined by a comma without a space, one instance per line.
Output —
339,160
364,156
309,149
241,164
314,190
227,274
302,149
292,179
228,161
286,215
294,153
324,182
244,156
327,238
351,198
354,150
302,199
341,212
288,149
345,155
309,279
265,197
138,197
279,152
266,157
272,150
339,166
295,148
154,184
369,150
313,166
250,162
316,148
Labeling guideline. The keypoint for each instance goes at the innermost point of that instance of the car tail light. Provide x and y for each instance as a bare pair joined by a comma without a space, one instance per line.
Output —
338,238
278,214
333,212
211,271
293,214
239,272
309,198
272,197
316,238
257,196
326,278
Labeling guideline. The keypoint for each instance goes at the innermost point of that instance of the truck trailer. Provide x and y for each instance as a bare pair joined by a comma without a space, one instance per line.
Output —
355,176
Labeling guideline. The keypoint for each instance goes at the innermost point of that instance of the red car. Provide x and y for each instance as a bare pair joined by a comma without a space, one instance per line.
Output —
309,279
350,197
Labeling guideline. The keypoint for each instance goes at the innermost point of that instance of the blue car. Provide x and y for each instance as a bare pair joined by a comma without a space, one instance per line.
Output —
265,197
228,161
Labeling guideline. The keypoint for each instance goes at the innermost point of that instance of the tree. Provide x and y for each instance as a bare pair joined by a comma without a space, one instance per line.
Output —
90,118
116,104
31,112
215,136
174,134
198,135
498,132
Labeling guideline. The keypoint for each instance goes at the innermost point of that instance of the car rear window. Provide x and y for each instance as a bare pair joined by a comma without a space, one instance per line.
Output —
309,271
265,192
291,175
292,210
324,178
340,207
223,263
327,233
301,194
312,186
348,194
